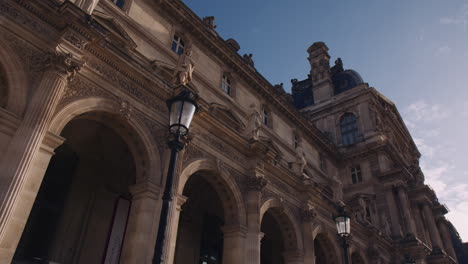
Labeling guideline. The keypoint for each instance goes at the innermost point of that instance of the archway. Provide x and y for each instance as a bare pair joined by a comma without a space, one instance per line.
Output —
272,245
81,210
357,259
280,243
324,250
200,236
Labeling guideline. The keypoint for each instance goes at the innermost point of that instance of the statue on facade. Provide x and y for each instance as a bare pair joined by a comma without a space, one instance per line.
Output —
254,123
301,161
184,68
337,186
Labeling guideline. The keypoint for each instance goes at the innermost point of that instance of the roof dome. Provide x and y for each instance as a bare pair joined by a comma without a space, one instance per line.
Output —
346,80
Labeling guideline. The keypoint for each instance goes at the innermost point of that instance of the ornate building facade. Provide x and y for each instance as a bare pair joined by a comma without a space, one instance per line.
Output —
83,148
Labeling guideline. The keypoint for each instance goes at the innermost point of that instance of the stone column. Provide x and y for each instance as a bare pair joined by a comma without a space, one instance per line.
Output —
23,148
445,234
308,223
234,238
410,225
433,231
172,228
139,236
396,227
254,236
293,257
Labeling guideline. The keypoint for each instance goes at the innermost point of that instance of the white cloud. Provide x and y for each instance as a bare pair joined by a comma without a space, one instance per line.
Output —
461,19
427,123
443,50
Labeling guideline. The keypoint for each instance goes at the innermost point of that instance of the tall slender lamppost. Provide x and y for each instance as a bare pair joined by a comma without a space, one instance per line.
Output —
343,227
181,111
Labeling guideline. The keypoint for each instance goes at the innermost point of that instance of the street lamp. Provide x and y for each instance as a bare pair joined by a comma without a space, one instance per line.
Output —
343,226
181,111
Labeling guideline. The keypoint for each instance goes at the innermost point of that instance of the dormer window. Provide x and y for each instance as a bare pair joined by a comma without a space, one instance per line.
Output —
119,3
356,175
226,84
178,45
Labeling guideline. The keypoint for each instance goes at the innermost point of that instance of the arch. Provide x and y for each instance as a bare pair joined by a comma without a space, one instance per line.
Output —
285,218
331,250
357,257
135,134
16,79
223,184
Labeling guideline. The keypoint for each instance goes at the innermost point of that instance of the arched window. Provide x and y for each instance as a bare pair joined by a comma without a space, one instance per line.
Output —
178,45
226,84
119,3
356,175
349,129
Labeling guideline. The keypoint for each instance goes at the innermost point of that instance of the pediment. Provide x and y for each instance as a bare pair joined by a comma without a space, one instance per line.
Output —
226,116
111,29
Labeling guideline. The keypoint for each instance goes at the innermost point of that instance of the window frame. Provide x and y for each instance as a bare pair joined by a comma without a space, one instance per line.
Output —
349,129
226,82
356,174
180,44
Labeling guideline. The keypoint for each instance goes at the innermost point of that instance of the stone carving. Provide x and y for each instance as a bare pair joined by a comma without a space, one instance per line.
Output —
209,22
337,186
58,62
253,125
184,68
126,109
81,88
256,183
74,39
114,76
26,20
300,163
248,59
279,88
308,213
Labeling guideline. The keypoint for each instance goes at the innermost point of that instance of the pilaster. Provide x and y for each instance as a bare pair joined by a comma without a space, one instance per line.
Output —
140,236
234,238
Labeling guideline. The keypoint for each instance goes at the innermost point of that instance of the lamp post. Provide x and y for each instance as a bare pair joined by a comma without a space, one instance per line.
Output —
181,111
343,228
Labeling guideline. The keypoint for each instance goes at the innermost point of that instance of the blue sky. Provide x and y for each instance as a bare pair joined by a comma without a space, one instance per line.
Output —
413,51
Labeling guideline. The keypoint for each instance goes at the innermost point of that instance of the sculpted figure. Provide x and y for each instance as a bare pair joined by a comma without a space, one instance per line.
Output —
184,68
253,127
337,189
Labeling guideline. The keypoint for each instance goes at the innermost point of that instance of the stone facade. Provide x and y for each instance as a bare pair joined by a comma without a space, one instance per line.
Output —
262,173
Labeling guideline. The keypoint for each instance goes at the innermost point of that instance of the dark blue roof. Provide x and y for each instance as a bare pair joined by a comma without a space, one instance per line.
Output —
346,80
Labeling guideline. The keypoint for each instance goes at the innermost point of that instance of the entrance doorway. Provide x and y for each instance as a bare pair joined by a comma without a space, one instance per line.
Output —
81,210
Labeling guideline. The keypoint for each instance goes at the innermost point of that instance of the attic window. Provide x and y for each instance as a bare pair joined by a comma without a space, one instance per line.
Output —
226,84
119,3
178,45
266,117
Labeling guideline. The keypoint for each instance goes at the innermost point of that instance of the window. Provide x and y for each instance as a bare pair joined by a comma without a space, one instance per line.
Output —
119,3
178,45
296,141
226,84
266,118
356,174
323,162
349,129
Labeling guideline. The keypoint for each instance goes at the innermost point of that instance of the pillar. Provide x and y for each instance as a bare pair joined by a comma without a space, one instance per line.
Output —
445,234
293,257
433,231
16,166
233,247
410,225
254,236
308,216
396,228
172,227
139,235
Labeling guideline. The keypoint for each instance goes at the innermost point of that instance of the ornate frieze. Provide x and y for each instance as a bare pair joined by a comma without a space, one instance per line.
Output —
127,85
80,88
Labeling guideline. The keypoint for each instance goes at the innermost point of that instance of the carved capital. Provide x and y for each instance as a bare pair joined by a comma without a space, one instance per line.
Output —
308,214
257,183
57,62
